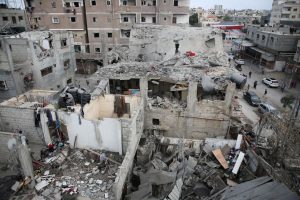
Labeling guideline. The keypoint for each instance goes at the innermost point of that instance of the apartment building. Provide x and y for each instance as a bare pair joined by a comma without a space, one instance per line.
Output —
285,12
12,20
101,25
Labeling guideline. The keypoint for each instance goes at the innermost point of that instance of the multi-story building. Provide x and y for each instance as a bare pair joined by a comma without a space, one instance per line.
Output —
285,12
275,47
12,20
102,25
36,60
219,10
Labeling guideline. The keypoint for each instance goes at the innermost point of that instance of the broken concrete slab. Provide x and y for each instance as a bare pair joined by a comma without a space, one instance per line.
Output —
238,163
158,177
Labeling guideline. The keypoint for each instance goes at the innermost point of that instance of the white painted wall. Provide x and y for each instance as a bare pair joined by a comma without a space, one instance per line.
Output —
100,135
182,19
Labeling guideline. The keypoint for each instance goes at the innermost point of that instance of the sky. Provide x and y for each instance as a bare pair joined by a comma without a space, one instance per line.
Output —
234,4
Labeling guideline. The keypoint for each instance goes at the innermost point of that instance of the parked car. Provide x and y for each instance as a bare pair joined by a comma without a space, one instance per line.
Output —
266,108
231,56
252,98
240,61
271,82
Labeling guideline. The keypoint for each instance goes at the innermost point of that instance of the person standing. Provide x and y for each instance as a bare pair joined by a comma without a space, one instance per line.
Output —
255,84
250,73
266,92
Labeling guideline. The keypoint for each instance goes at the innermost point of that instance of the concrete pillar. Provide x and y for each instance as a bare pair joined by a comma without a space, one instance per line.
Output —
192,96
144,89
229,95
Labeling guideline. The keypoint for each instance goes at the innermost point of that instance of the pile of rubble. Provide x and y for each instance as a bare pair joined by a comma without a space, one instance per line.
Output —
174,168
165,103
67,174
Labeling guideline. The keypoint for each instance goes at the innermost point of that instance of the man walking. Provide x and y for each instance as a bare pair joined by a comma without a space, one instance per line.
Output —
250,73
255,84
266,92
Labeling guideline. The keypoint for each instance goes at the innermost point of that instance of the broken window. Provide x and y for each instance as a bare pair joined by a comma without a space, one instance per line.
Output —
175,2
153,20
174,20
124,3
109,35
93,2
143,19
5,18
108,2
94,19
67,64
125,33
73,19
76,4
63,42
97,50
96,35
14,20
55,20
155,121
46,71
3,85
125,19
67,4
77,48
69,81
154,3
20,18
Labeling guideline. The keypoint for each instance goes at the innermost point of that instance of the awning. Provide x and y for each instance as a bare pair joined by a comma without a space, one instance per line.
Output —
264,55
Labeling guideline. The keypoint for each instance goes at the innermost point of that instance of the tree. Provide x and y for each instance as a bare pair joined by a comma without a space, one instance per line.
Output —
227,18
287,101
194,19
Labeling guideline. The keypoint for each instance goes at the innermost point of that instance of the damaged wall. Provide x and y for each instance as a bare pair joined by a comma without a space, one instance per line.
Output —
36,60
157,43
103,107
102,134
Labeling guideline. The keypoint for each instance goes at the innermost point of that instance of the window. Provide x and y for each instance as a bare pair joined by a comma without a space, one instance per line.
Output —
3,85
68,4
20,18
295,9
96,35
77,48
154,3
124,3
5,18
73,19
257,36
76,4
108,2
55,20
97,50
109,49
263,37
63,42
47,70
153,20
93,2
94,19
165,18
175,2
293,16
143,19
155,121
109,35
174,20
143,3
67,64
69,81
53,4
272,40
14,20
125,19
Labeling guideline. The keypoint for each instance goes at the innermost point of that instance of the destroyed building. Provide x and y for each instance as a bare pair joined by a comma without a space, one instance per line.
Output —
158,125
35,60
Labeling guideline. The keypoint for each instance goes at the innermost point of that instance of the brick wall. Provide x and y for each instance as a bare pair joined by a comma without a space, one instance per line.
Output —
12,118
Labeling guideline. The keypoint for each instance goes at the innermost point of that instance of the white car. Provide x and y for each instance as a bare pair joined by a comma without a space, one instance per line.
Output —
271,82
240,61
266,108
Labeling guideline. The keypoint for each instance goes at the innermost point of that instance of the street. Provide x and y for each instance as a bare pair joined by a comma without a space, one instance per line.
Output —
273,96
